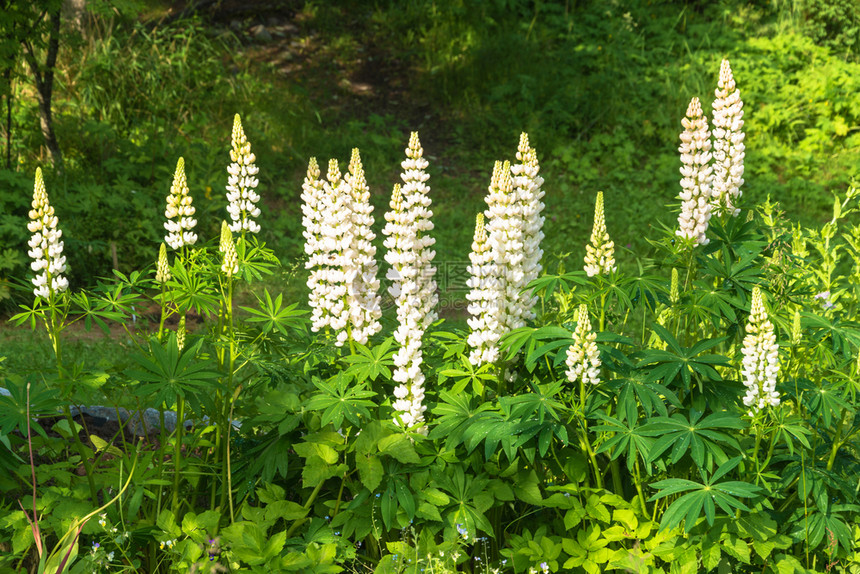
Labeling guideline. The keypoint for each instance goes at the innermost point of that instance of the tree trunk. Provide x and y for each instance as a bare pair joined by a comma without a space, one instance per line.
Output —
44,80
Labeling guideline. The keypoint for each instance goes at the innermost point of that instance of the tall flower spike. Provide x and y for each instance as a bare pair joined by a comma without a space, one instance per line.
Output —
761,358
242,182
179,211
319,245
696,176
361,267
46,249
583,358
728,144
600,253
414,287
485,299
230,262
527,183
162,269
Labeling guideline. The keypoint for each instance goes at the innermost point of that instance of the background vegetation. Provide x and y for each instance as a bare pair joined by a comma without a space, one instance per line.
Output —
600,87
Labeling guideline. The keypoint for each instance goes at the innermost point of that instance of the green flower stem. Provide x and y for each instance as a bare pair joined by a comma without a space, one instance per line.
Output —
296,523
836,441
177,452
637,477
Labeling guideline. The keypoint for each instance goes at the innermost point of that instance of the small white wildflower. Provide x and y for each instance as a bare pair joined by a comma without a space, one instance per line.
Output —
102,521
761,358
46,249
600,253
583,357
728,144
179,211
696,176
241,183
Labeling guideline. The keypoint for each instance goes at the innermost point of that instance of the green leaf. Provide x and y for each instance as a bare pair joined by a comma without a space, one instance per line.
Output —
400,447
369,471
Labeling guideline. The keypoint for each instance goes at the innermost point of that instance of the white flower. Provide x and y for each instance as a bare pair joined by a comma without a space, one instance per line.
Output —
360,264
728,144
485,299
179,211
583,358
696,176
413,285
230,261
527,186
241,183
761,358
337,217
162,269
600,253
46,249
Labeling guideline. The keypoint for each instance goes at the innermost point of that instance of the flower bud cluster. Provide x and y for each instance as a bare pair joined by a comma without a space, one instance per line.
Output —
162,268
343,286
728,143
46,248
230,261
696,176
600,253
241,183
412,273
761,358
179,211
583,358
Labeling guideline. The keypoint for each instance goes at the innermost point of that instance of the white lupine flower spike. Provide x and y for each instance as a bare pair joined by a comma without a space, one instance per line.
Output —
360,266
318,245
242,182
583,358
484,299
46,248
179,211
696,176
527,184
413,285
600,253
761,358
728,144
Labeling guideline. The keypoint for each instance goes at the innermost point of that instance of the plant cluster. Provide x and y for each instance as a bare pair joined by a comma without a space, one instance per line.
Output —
696,415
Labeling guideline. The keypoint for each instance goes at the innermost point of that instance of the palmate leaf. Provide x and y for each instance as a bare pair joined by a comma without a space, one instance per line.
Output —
271,315
191,290
340,398
468,373
455,414
650,289
824,402
254,259
624,438
844,335
529,339
704,497
683,361
694,435
371,362
545,285
168,372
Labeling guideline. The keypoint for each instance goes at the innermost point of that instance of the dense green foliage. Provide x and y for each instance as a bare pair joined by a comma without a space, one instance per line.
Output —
658,468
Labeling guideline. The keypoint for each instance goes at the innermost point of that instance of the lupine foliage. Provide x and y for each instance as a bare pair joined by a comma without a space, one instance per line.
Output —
704,421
